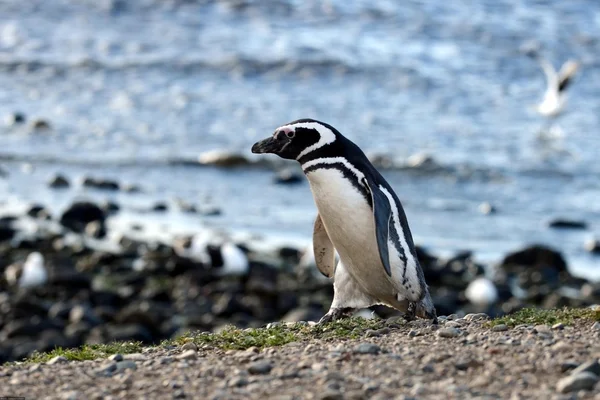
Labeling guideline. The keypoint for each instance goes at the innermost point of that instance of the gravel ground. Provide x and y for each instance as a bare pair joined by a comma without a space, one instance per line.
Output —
460,359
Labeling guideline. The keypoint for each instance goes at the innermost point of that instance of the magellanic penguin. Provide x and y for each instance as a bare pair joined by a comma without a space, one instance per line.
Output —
360,217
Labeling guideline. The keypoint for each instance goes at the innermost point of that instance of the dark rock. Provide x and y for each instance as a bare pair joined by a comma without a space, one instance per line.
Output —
160,207
40,125
59,182
367,348
95,229
537,257
28,327
591,366
287,177
592,246
262,279
53,339
560,223
577,382
260,367
110,207
80,214
60,310
39,212
6,232
131,188
99,183
14,118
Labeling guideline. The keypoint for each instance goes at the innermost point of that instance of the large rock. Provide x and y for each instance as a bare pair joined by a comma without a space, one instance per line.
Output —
536,256
80,214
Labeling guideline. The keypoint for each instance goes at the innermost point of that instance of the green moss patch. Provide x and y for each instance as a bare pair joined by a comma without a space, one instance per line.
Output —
534,316
87,352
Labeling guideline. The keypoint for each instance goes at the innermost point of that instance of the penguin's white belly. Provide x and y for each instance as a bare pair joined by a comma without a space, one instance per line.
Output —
349,222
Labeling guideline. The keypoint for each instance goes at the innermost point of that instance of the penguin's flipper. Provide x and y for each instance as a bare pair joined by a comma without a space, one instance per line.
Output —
382,213
323,249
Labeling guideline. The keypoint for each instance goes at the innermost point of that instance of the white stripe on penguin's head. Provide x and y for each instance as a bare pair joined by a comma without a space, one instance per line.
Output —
326,135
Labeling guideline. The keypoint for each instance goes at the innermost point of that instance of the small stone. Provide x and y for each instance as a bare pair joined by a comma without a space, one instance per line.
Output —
568,366
543,329
574,383
332,395
596,326
190,346
558,326
476,317
126,364
367,348
591,366
135,357
107,369
500,328
14,118
260,367
40,125
116,357
59,182
187,355
560,223
413,333
238,381
57,360
273,325
448,332
452,324
35,368
160,207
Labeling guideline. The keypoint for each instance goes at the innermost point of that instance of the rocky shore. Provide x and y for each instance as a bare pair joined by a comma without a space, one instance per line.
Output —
68,280
527,357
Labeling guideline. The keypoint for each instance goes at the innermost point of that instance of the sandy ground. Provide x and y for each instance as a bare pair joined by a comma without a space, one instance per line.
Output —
460,359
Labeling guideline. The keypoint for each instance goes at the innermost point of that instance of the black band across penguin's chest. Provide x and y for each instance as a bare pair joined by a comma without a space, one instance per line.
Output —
348,174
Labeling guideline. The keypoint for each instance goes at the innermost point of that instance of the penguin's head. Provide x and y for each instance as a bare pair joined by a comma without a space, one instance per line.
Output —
296,139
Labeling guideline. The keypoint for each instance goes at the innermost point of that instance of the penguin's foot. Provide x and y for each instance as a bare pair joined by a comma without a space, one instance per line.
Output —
411,311
336,313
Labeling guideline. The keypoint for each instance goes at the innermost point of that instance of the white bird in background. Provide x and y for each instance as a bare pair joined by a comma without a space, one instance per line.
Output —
30,274
557,82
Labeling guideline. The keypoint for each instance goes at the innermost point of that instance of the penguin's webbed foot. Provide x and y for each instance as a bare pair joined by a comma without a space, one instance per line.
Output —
335,314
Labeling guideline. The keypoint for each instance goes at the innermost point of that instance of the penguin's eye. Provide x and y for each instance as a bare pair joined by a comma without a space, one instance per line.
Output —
290,134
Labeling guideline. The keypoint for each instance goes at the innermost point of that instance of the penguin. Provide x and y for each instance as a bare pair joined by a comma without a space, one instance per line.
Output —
359,217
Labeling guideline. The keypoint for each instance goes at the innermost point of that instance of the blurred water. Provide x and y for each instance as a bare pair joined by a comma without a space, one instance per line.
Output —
128,85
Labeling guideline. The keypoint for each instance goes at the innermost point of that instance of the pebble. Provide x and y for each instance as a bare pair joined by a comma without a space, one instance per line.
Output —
596,326
500,328
542,329
271,325
107,369
377,332
187,355
59,182
126,364
558,326
332,395
452,324
135,357
116,357
576,382
57,360
476,317
260,367
367,348
448,332
238,381
190,346
591,366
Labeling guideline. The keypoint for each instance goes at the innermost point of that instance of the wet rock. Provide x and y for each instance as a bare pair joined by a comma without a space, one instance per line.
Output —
560,223
222,158
14,118
59,182
99,183
574,383
367,348
260,367
79,214
287,177
592,246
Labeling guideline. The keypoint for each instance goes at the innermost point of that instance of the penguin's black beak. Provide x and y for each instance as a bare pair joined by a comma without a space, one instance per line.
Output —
268,145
